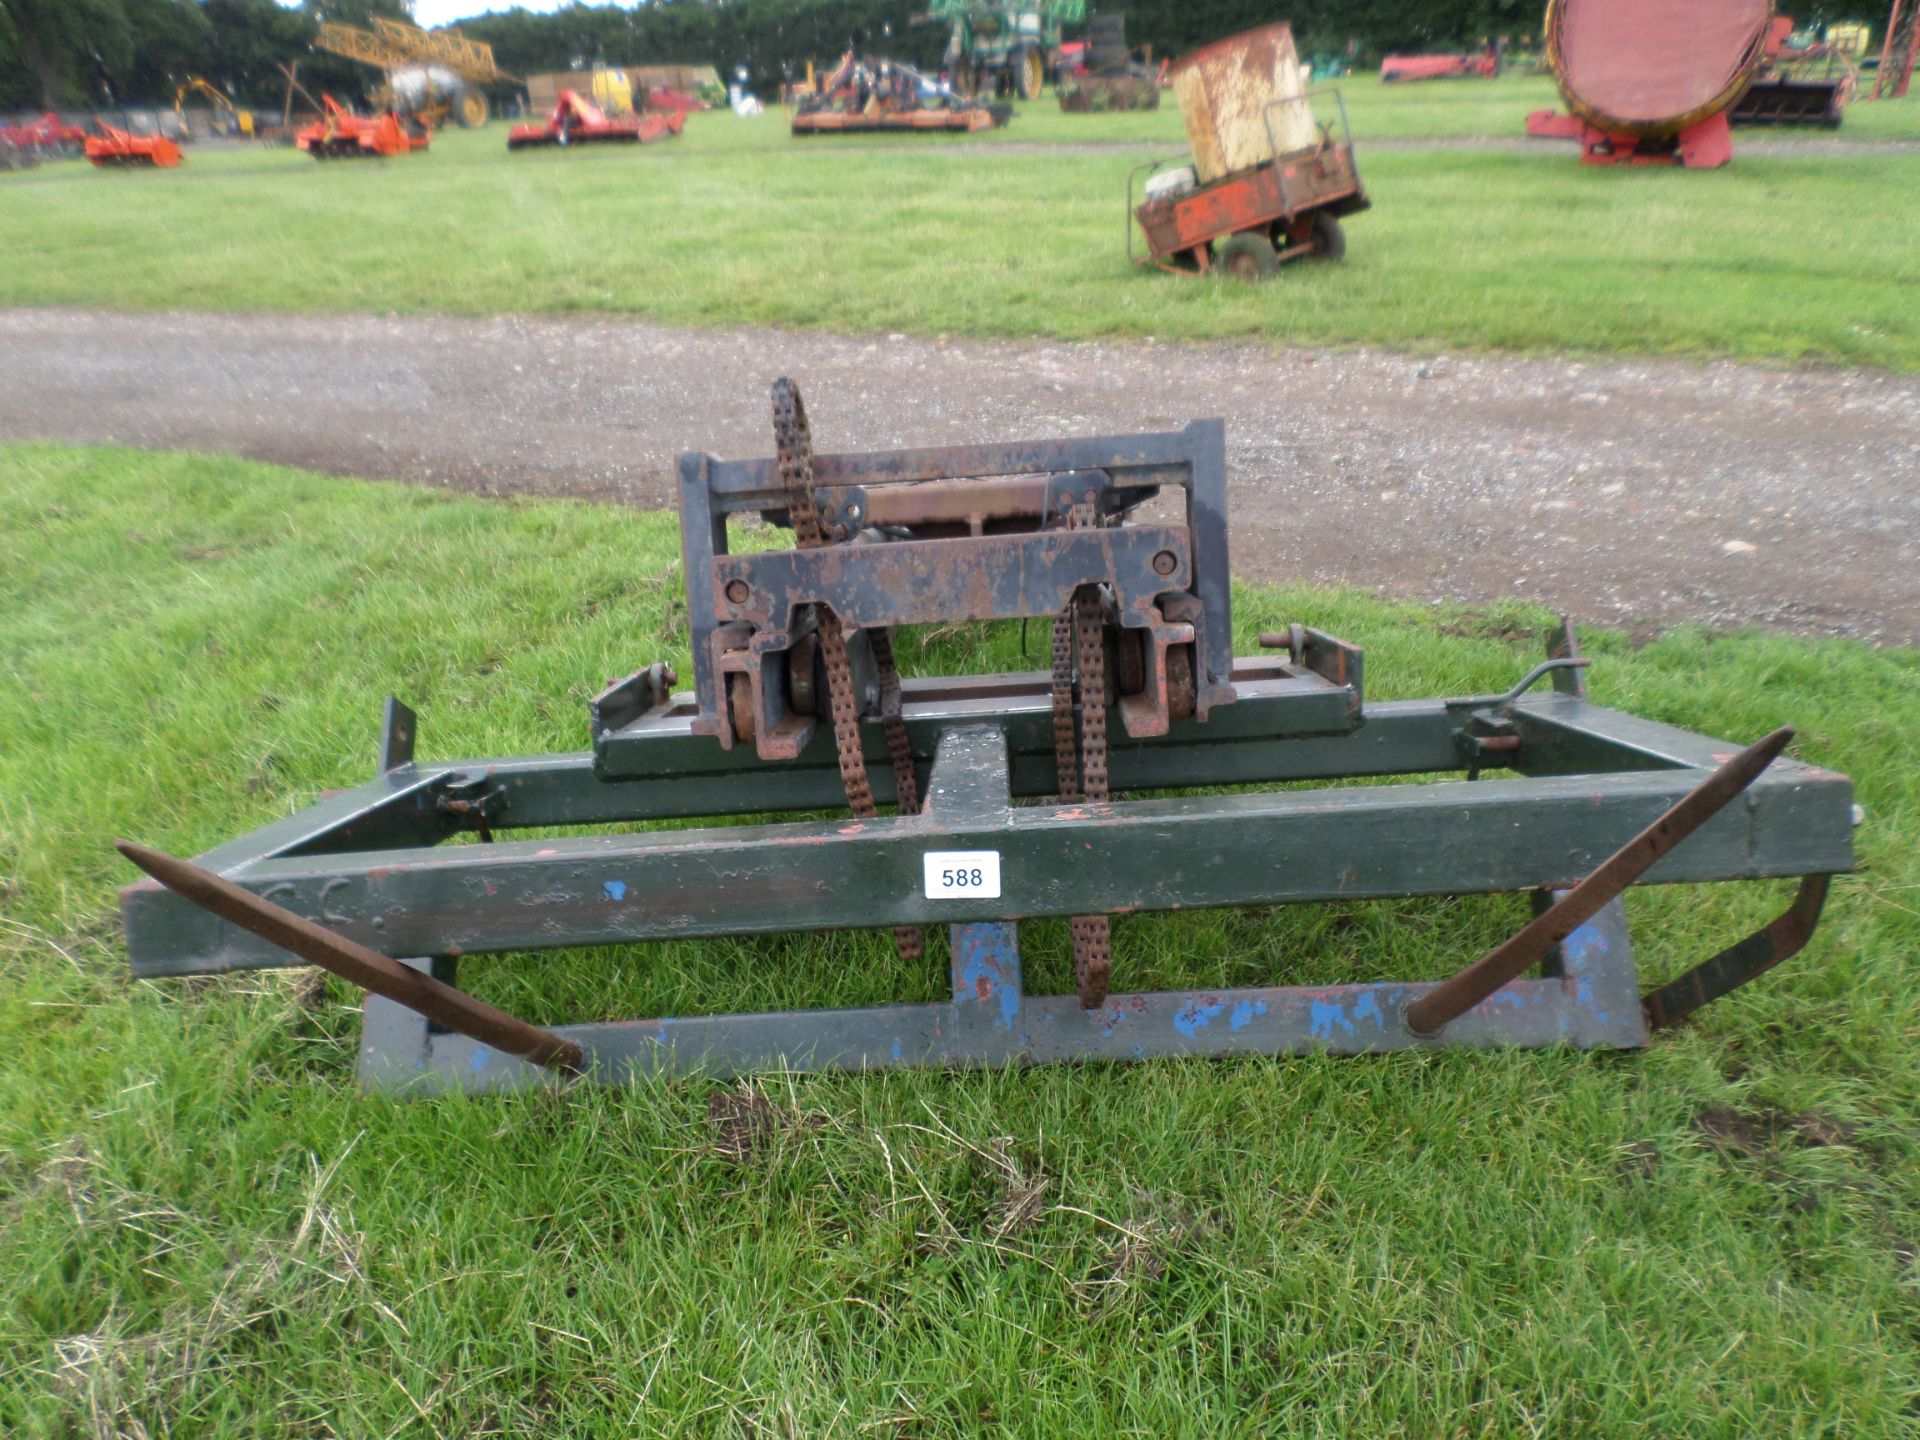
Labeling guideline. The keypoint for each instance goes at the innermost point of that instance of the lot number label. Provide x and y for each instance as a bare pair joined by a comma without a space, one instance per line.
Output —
969,874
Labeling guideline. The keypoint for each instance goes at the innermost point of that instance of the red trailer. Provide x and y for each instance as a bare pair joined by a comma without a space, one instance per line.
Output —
578,121
1248,223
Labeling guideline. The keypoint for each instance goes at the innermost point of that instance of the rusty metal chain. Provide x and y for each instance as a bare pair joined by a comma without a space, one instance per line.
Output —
1082,760
1066,744
906,786
793,441
1092,935
1090,618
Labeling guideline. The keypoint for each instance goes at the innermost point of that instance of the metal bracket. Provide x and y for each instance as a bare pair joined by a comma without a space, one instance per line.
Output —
473,803
398,728
625,701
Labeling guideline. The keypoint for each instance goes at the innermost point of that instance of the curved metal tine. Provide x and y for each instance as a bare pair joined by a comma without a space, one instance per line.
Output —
1745,960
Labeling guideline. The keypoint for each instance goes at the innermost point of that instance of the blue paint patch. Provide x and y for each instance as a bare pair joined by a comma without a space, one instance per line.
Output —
479,1061
1586,995
895,1051
1197,1017
616,889
1322,1017
984,977
1367,1008
1244,1012
1585,945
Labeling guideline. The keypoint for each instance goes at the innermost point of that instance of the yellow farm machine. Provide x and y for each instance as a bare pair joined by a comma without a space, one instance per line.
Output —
431,75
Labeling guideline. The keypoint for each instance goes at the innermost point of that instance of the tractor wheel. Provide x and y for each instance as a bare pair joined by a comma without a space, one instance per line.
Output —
471,109
1328,239
1029,72
1247,256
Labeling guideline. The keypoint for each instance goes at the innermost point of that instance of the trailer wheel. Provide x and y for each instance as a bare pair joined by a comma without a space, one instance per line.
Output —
1329,240
1247,256
1029,72
471,109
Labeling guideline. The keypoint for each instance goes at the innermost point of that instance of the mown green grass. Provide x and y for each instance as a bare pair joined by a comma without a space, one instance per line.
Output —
205,1231
1807,256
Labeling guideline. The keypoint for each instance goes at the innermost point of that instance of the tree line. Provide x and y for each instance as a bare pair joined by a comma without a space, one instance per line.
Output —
130,52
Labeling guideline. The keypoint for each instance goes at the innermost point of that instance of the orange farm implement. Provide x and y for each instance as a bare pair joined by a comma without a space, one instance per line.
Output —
1484,66
341,134
869,94
578,121
113,146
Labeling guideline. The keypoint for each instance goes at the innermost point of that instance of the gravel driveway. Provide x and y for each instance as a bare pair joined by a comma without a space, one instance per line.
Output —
1626,492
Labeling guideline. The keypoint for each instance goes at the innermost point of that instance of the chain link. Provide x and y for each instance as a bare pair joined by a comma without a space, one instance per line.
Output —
794,442
1066,744
1092,935
1082,760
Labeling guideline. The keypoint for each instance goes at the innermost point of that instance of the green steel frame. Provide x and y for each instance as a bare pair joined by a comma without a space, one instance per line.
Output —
1536,788
371,863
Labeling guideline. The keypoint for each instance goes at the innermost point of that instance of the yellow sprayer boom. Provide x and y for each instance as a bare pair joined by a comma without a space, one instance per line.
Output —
392,44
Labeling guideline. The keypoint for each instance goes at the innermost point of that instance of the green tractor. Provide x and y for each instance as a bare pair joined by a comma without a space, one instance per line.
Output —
1004,49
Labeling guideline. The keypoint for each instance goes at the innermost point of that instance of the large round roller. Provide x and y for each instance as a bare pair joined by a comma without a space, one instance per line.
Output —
1654,67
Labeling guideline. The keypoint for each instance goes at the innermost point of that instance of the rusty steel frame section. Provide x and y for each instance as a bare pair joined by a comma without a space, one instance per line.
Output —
994,548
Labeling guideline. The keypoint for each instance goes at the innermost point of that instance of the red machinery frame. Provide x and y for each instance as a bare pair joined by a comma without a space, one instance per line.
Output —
578,121
48,133
1703,146
342,135
117,147
1291,203
1898,51
1402,68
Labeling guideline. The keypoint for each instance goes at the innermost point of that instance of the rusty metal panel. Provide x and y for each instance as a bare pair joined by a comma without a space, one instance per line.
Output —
1226,92
987,577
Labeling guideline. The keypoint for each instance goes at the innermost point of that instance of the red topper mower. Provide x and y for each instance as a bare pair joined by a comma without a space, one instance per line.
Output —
342,135
577,121
116,147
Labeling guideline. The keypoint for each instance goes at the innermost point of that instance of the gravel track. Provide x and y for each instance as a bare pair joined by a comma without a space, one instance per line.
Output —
1627,492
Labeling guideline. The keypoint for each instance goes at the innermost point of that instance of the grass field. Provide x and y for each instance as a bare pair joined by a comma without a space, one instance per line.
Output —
1801,256
204,1232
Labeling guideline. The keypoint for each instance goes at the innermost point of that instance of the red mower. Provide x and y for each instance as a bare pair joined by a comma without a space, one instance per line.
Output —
1402,68
114,146
343,135
576,121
